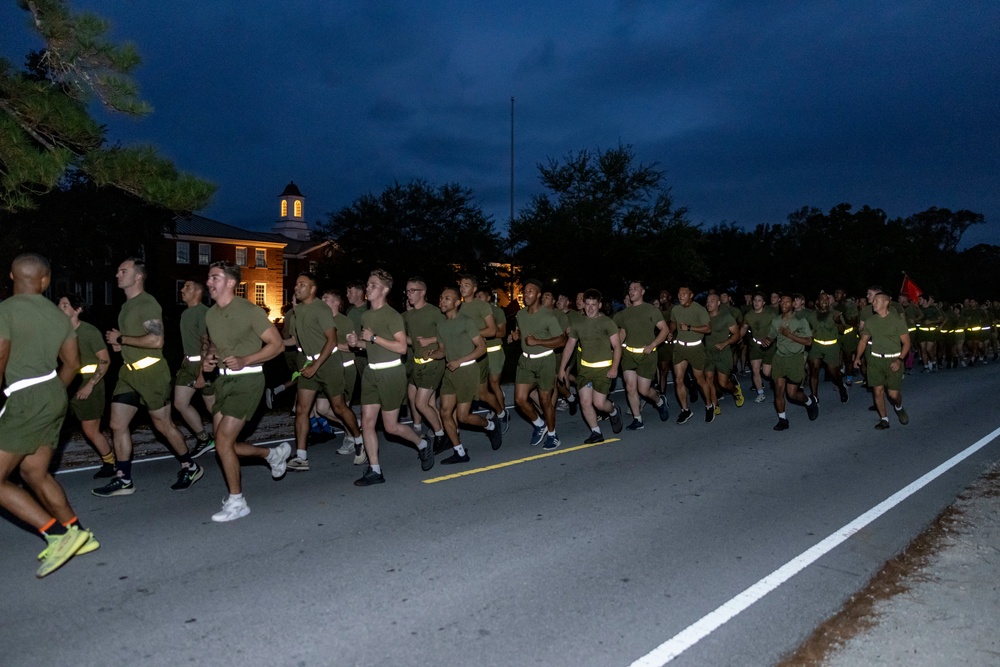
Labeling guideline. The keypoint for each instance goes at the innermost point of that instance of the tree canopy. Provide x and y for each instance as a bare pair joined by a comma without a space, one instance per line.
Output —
46,130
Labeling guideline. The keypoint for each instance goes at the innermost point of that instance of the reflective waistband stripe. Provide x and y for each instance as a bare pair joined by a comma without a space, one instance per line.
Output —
927,328
848,330
145,362
974,329
311,357
88,369
759,342
196,357
911,329
243,371
680,342
381,365
597,364
467,363
28,382
954,331
423,361
636,350
825,342
537,356
495,348
891,355
348,363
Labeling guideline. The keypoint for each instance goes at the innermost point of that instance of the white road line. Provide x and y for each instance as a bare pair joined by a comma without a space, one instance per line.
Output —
706,625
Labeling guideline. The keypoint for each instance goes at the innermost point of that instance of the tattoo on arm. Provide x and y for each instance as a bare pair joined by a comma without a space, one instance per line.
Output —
154,327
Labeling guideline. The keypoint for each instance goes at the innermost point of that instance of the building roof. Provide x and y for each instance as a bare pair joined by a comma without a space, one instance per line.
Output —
196,225
291,190
296,247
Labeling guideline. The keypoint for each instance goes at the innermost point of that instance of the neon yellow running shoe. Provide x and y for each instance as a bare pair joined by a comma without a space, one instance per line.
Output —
739,397
61,548
90,545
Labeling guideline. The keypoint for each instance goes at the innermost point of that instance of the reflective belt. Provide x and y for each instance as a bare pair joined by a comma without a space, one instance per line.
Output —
539,355
243,371
636,350
596,364
467,363
422,361
27,382
348,363
974,329
196,357
927,328
495,348
311,357
825,342
914,329
88,369
145,362
680,342
381,365
891,355
955,331
848,330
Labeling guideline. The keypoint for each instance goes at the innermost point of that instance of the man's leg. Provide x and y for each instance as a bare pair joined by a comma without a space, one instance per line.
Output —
163,423
16,500
632,392
448,419
586,396
680,388
345,415
190,415
120,422
424,403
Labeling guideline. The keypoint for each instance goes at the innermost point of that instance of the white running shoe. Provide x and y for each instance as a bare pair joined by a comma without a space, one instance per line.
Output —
232,509
277,458
297,464
760,398
348,446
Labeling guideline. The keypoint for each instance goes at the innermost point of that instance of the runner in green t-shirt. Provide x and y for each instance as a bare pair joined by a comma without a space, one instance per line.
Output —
424,372
495,354
189,378
540,334
790,335
718,354
143,380
825,350
35,338
482,314
343,326
459,344
87,390
641,329
383,381
600,345
241,339
689,323
890,342
756,323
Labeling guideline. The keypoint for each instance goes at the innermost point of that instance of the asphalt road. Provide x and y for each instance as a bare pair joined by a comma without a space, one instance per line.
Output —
587,556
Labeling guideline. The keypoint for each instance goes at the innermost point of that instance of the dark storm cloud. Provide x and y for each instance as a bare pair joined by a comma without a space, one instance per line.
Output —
753,109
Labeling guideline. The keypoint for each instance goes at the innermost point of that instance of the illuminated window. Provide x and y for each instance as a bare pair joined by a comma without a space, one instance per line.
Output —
241,256
298,209
260,294
183,252
241,290
204,254
260,256
284,208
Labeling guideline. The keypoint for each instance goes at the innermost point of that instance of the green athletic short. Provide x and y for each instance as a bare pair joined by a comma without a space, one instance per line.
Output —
790,367
32,417
151,383
540,372
880,375
463,383
693,354
328,380
385,387
427,375
830,354
238,395
497,360
90,408
597,377
644,365
720,362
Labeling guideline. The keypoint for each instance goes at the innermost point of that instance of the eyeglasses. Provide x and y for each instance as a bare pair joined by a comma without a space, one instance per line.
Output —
413,290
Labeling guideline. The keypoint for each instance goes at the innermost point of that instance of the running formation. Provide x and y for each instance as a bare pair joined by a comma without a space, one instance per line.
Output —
444,362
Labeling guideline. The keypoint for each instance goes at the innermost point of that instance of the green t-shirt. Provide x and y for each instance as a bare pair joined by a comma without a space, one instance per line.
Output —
932,316
91,342
36,329
236,330
384,322
343,324
355,313
913,314
422,322
312,321
562,318
693,315
477,311
720,328
457,335
500,318
193,328
758,324
135,312
824,325
639,322
787,347
849,310
885,333
594,336
541,324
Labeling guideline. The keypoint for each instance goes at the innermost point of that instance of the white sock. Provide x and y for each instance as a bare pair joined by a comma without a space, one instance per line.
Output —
439,434
423,444
277,390
782,415
236,496
460,450
302,454
377,469
490,425
539,422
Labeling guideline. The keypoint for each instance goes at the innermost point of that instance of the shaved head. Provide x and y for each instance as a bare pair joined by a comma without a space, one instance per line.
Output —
30,273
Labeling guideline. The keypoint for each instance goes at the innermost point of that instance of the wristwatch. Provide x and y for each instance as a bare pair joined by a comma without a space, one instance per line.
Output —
372,339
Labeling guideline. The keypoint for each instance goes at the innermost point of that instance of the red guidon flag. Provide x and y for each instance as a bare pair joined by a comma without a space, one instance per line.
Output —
910,288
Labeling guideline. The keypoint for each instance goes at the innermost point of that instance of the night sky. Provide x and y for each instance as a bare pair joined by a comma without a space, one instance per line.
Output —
753,109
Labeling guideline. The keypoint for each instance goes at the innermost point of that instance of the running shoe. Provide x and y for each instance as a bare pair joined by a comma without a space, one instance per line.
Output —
186,477
277,458
595,437
718,409
202,447
370,477
347,447
426,457
882,425
843,393
710,414
537,435
505,420
116,487
455,458
232,509
782,425
90,545
813,410
738,396
269,398
574,405
562,405
636,425
904,418
760,398
616,420
297,464
440,444
360,455
551,442
106,470
60,549
663,409
495,435
684,416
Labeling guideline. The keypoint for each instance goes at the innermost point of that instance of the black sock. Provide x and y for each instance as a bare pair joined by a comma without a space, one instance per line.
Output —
125,468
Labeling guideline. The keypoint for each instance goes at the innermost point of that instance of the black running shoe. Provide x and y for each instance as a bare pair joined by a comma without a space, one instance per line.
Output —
843,393
882,425
187,477
370,477
440,444
595,437
782,425
202,447
616,420
663,408
495,436
636,425
426,458
455,458
710,414
684,416
813,410
106,470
